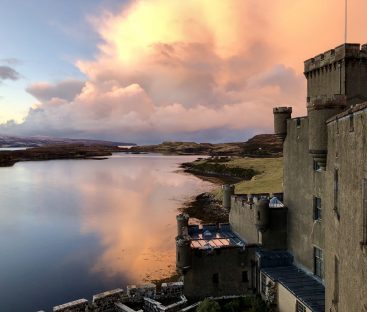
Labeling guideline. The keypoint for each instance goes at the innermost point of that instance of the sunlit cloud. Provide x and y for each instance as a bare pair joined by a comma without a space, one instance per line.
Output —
179,68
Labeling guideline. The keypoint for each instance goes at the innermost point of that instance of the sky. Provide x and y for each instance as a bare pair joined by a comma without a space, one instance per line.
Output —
146,71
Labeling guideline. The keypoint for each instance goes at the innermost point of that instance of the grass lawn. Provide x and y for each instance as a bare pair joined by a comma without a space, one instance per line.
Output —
268,180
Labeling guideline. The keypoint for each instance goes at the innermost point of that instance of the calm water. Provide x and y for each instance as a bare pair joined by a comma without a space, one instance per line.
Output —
73,228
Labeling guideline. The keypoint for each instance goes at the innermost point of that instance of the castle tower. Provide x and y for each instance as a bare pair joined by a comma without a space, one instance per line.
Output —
336,80
183,254
183,250
228,191
281,114
262,215
182,224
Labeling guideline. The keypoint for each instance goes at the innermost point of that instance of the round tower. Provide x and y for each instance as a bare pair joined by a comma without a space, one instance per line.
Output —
183,254
228,191
262,215
318,114
182,224
281,114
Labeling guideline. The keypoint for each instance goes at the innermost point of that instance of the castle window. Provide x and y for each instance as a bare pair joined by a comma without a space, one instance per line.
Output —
244,277
351,122
300,307
336,280
317,208
364,207
316,166
298,122
215,278
263,283
178,256
336,191
318,262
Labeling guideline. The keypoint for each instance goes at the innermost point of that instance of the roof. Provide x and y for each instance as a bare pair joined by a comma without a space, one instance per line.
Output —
303,286
274,258
212,236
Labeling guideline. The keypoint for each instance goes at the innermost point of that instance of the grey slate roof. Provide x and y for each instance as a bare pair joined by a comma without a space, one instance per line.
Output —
304,287
213,236
274,258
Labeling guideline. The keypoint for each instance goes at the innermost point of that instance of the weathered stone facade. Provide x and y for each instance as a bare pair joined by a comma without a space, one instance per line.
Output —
325,172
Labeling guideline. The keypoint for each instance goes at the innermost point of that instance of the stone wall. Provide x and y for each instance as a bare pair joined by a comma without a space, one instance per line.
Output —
151,305
340,71
75,306
345,215
242,219
301,184
222,271
106,301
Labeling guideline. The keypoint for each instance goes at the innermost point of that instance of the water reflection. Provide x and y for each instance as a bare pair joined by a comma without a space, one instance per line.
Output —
72,228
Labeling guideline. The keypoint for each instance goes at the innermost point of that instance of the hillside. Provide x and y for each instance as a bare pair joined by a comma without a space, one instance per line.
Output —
250,175
24,141
263,145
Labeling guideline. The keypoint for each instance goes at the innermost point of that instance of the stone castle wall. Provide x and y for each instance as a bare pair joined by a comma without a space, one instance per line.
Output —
106,301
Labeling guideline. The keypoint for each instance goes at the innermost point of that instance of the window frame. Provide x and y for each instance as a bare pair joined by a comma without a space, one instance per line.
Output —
317,208
215,278
318,259
245,277
364,212
336,191
351,122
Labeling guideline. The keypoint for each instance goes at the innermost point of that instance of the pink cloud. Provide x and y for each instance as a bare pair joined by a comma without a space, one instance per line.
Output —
178,68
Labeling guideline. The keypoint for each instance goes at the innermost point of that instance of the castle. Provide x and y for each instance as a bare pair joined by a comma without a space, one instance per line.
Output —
305,249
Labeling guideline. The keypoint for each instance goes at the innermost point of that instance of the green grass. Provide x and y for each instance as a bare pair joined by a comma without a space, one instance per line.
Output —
268,180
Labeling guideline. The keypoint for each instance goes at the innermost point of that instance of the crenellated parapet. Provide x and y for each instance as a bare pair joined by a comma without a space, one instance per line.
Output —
329,60
118,300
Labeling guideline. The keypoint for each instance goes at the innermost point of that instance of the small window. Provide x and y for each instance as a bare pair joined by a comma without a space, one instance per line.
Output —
178,256
318,262
263,283
364,212
351,122
336,280
317,208
300,307
298,122
316,166
215,278
337,125
336,191
244,277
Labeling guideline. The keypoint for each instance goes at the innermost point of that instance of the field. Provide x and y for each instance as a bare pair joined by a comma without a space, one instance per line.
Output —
267,178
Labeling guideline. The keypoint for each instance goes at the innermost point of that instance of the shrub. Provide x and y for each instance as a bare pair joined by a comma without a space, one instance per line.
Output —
208,305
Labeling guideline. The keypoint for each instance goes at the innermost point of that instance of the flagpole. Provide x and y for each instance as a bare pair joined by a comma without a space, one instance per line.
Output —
346,21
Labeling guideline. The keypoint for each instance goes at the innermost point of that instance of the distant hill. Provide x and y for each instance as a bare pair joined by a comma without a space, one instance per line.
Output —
22,141
262,145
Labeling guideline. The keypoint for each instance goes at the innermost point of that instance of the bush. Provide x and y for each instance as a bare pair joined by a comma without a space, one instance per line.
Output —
208,305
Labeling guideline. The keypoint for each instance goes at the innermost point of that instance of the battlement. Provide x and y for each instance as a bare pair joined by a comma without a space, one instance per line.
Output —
146,295
282,110
333,56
